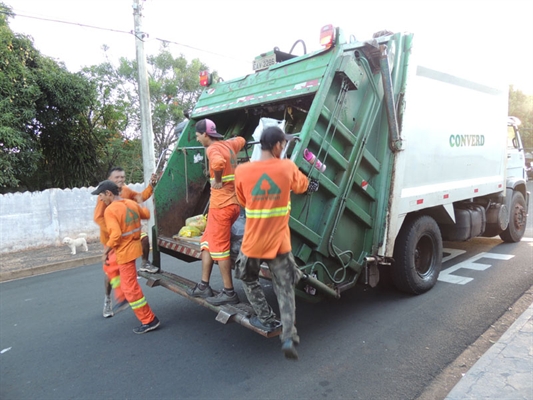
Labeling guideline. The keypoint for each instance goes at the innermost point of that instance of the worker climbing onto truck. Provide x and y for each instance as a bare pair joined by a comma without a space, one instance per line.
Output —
223,211
263,188
123,222
118,176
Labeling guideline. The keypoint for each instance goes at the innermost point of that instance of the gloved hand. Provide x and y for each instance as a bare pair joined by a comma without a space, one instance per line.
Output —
153,180
313,186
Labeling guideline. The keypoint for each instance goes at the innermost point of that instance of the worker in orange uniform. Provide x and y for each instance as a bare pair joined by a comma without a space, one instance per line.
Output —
263,188
223,211
118,176
123,222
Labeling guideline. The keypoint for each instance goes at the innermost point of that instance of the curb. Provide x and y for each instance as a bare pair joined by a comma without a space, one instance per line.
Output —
47,268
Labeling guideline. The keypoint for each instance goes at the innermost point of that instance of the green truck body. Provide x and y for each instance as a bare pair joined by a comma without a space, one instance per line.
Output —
345,104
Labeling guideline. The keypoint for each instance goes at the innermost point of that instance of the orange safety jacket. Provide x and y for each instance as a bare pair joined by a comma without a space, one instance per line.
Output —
123,221
263,189
125,193
222,156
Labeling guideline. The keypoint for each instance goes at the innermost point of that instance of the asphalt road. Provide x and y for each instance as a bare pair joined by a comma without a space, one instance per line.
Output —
371,344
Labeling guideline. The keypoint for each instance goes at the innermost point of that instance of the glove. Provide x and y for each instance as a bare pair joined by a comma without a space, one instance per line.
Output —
313,186
153,180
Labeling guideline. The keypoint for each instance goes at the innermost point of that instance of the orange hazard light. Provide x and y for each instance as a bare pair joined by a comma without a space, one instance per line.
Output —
327,36
205,78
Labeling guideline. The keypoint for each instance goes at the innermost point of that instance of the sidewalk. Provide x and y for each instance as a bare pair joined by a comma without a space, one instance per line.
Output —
505,371
25,263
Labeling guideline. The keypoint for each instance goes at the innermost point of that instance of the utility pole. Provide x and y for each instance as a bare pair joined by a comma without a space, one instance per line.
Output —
147,135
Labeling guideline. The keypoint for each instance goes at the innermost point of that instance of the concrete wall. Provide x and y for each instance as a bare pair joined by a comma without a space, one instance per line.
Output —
38,219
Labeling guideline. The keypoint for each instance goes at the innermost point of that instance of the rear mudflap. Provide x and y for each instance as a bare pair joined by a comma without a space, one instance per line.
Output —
239,313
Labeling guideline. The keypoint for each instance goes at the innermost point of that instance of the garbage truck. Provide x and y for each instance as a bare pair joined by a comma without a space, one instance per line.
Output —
407,156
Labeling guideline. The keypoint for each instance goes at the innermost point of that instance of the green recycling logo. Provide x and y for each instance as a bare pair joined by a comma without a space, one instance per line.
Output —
265,189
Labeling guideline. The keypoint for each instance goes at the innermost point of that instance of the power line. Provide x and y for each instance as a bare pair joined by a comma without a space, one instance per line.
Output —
67,22
120,31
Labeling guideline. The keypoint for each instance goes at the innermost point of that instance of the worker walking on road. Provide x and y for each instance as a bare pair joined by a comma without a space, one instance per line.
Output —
118,176
123,222
223,211
263,188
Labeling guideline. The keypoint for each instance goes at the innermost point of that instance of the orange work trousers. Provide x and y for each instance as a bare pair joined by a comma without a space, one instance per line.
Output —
129,288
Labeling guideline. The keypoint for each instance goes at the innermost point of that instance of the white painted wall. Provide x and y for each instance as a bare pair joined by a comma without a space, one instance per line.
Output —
38,219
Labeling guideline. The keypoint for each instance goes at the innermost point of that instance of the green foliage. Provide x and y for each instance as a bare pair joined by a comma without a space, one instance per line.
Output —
45,140
60,124
174,90
19,153
521,106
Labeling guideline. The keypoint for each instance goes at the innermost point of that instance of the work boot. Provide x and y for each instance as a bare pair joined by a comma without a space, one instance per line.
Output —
108,308
203,293
223,298
269,326
146,266
147,327
289,350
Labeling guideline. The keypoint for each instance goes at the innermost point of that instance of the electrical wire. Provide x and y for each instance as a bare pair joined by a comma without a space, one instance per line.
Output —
121,31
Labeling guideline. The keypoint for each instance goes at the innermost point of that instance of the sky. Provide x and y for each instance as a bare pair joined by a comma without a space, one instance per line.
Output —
490,38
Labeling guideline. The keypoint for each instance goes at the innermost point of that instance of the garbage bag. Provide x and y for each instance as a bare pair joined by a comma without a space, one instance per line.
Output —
189,231
237,233
264,123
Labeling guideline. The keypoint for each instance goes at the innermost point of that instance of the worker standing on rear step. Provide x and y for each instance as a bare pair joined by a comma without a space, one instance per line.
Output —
223,211
263,188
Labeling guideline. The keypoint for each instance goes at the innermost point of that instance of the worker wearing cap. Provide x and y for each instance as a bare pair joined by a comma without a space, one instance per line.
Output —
118,176
123,222
224,209
263,188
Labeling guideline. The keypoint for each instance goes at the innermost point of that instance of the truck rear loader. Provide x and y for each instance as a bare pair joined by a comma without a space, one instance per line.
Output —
410,155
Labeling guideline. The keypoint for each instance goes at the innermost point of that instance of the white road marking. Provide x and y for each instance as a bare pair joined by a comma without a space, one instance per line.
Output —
453,253
447,276
3,351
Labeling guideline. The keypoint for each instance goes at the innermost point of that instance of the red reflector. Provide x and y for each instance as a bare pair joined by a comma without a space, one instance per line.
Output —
476,190
205,78
327,36
446,196
419,201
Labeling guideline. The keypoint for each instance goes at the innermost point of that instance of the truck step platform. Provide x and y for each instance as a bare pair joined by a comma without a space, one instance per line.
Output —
239,313
187,246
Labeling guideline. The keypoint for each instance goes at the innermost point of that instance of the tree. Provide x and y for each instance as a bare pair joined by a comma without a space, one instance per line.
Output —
68,145
174,90
19,154
521,106
115,117
44,136
110,119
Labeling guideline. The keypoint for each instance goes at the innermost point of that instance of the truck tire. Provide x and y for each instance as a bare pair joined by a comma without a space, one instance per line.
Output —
517,219
417,255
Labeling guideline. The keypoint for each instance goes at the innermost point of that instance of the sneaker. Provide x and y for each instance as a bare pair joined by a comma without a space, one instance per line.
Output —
147,327
269,326
108,308
148,267
121,306
223,298
289,349
197,292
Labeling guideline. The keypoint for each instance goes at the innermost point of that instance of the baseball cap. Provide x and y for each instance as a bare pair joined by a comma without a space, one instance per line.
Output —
106,185
209,127
272,135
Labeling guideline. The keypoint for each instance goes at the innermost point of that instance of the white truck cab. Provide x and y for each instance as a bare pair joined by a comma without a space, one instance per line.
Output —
516,160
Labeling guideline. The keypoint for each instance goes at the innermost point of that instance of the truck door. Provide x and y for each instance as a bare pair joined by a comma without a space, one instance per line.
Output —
515,151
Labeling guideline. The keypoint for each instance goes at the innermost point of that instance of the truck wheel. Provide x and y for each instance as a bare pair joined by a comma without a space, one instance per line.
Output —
417,255
517,219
